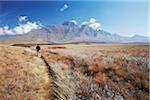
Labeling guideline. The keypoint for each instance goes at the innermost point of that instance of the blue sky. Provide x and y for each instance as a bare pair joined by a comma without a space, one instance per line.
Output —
123,17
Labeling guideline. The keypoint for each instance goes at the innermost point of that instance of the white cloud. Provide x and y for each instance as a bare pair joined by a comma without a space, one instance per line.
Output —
25,28
5,30
93,24
21,28
74,21
65,6
84,23
22,18
92,20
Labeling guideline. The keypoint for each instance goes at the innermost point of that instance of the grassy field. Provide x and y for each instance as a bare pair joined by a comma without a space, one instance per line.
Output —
82,72
23,76
101,71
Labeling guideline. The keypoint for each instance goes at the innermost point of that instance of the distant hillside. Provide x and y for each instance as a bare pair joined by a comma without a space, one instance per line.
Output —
70,32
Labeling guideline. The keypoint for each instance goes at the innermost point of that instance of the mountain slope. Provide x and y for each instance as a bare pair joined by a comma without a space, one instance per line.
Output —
70,32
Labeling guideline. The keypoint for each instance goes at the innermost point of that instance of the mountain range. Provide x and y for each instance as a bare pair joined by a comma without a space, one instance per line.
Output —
70,32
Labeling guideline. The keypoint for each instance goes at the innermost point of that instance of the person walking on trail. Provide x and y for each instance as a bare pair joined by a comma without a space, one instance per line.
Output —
37,49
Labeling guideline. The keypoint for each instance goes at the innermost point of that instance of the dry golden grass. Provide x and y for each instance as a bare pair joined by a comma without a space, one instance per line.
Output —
82,71
123,67
23,76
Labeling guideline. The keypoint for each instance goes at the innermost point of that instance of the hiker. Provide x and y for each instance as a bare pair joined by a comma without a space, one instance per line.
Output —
37,49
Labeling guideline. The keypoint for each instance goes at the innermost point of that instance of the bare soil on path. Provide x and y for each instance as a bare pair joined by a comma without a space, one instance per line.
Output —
23,75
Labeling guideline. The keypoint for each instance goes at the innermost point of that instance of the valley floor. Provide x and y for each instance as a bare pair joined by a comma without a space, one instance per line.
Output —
101,71
23,75
80,72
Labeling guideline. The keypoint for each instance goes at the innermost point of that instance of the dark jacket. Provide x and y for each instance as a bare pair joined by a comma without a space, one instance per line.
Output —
38,48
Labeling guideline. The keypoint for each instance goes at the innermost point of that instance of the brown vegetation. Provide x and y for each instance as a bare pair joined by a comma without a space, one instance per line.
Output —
123,68
23,76
82,72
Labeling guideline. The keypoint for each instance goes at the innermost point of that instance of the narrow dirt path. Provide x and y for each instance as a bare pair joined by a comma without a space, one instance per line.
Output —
56,92
50,73
32,76
23,75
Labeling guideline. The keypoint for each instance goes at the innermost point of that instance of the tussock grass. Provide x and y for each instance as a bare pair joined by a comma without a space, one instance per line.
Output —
23,76
96,72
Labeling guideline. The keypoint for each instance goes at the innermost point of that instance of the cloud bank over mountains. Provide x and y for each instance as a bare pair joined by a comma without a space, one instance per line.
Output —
93,24
69,31
24,26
